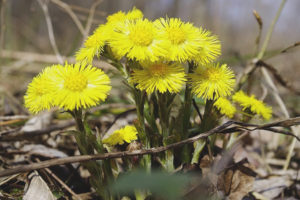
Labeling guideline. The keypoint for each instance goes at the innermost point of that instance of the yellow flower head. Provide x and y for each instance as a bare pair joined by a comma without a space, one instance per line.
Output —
95,42
159,76
210,48
79,86
121,16
134,14
212,81
39,93
225,107
184,38
138,40
126,134
250,102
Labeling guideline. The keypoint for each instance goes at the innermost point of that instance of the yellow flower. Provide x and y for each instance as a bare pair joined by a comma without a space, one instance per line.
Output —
159,76
121,16
185,39
134,14
212,81
79,86
95,42
250,102
39,93
126,134
210,48
225,107
138,40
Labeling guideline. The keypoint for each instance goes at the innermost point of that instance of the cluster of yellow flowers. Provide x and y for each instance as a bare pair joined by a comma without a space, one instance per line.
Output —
159,50
162,47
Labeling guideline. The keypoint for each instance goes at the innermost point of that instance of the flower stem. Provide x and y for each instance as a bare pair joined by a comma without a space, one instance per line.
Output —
85,140
187,107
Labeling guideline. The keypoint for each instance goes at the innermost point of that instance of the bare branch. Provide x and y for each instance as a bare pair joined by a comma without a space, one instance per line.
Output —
90,19
85,158
68,10
48,58
50,30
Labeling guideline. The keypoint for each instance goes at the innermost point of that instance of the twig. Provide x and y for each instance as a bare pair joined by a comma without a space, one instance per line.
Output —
60,181
197,109
68,10
26,135
270,31
260,25
50,30
272,85
277,76
47,58
3,118
85,158
85,10
118,117
290,47
90,19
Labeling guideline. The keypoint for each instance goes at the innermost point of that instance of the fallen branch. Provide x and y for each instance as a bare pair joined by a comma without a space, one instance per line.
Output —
85,158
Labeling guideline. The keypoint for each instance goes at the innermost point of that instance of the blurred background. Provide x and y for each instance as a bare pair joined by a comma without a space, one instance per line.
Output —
26,47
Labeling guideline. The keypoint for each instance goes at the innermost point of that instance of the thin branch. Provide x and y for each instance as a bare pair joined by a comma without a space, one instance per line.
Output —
197,109
68,10
48,58
85,10
28,135
270,31
61,182
90,19
50,30
277,76
85,158
260,25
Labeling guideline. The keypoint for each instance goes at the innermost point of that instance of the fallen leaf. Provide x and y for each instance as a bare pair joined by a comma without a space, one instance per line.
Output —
272,187
38,189
38,122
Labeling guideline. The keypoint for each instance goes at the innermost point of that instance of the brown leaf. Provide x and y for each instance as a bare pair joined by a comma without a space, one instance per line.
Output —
237,181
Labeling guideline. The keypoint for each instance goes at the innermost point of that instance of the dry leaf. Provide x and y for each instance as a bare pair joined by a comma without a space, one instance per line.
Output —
38,189
38,122
272,187
236,182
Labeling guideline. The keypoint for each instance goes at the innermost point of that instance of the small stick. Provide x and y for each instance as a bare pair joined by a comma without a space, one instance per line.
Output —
104,156
60,181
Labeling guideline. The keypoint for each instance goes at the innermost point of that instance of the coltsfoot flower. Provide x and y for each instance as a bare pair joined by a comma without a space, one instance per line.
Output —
39,95
138,40
212,81
250,102
79,86
184,38
95,42
159,76
225,107
126,134
210,48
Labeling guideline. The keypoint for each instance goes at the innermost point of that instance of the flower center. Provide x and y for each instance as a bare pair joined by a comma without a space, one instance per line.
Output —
176,35
158,69
41,88
141,36
76,82
213,75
